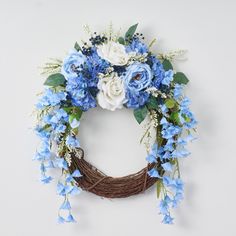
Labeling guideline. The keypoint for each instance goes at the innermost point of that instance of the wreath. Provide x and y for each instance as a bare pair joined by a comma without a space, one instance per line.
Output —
114,72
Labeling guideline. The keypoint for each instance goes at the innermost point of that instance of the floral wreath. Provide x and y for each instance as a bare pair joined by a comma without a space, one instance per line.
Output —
114,72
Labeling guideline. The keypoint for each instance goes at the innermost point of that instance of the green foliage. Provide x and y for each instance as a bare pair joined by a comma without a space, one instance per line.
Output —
152,103
167,65
180,78
159,187
55,80
170,103
130,32
74,113
174,117
121,40
77,47
140,114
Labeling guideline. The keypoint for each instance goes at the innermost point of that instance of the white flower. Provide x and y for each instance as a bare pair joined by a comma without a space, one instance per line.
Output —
112,92
114,53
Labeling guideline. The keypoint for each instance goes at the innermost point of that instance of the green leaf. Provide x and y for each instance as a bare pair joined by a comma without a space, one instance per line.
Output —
55,80
121,40
186,118
140,114
167,65
170,103
180,78
77,47
130,32
75,113
152,103
175,118
159,187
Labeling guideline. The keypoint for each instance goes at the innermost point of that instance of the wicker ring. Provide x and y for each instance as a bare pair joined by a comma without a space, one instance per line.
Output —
95,181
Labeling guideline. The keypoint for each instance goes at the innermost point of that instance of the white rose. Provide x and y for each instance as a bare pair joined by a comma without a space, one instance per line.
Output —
114,53
112,92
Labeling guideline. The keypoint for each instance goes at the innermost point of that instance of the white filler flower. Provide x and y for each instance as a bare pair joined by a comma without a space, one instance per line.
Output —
112,92
114,53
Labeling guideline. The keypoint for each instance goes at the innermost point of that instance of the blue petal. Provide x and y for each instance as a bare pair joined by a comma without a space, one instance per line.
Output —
70,219
60,189
75,123
76,173
167,166
154,173
60,220
151,159
66,205
75,191
167,219
68,189
46,179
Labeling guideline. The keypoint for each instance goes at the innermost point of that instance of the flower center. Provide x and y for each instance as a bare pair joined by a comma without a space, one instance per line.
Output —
137,77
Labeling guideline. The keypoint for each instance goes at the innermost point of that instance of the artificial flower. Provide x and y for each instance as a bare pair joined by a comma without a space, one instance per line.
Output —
113,52
111,94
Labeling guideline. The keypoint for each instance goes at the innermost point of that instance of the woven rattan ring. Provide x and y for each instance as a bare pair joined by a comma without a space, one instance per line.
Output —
97,182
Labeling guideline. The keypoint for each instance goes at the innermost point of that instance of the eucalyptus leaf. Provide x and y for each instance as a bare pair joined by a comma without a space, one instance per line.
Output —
180,78
55,80
140,114
130,32
167,65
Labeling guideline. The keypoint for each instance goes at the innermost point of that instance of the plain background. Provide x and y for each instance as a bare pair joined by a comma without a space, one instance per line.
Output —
33,31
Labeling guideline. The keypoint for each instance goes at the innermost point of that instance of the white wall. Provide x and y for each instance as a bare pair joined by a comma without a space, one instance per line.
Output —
32,31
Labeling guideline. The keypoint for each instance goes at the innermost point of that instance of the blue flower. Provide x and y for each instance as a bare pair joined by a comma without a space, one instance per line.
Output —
72,63
65,205
51,98
75,191
180,153
165,205
60,189
60,220
153,154
158,71
80,93
167,219
164,109
178,90
60,128
61,163
136,99
154,173
137,46
76,173
138,77
168,77
46,179
177,198
72,142
167,166
75,123
70,219
170,131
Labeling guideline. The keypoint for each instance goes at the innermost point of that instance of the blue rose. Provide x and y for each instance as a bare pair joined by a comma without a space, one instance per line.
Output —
138,77
71,64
